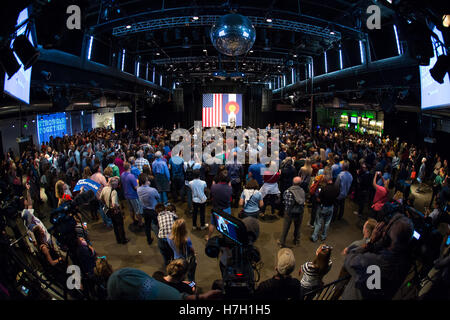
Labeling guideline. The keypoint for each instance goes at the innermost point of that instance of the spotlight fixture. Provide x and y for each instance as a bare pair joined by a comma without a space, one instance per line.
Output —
46,75
8,62
157,53
195,18
25,50
441,67
128,26
269,20
446,20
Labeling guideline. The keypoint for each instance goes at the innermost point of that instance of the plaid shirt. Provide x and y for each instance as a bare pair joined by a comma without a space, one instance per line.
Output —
165,222
288,200
140,163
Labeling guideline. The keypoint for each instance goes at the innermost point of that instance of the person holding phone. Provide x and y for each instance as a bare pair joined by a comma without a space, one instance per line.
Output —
381,196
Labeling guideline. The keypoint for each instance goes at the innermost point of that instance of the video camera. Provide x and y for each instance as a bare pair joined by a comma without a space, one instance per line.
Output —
238,276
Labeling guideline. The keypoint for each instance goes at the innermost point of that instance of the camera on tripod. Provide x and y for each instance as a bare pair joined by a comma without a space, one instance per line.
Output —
238,276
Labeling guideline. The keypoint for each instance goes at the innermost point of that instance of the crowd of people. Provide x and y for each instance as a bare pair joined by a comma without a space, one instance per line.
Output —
138,173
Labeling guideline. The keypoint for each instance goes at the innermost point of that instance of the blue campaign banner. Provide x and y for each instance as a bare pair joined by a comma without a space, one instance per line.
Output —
87,184
48,125
232,103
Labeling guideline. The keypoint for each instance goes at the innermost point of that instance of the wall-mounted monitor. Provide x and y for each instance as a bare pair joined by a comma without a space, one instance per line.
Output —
354,120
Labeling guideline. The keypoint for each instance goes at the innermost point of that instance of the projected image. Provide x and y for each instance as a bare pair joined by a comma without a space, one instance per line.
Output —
51,125
222,109
434,94
226,227
19,84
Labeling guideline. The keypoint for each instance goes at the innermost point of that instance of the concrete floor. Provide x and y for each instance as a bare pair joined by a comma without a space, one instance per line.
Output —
138,254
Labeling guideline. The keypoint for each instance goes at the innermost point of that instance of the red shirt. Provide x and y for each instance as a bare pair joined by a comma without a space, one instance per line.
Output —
380,198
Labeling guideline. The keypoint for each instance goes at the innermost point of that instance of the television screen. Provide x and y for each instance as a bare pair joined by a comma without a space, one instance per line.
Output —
353,120
434,94
19,84
226,227
51,125
221,109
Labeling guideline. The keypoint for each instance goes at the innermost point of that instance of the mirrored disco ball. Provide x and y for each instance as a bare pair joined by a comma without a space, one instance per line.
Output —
233,35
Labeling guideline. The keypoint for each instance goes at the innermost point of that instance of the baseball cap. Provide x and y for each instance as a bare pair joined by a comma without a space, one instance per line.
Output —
286,261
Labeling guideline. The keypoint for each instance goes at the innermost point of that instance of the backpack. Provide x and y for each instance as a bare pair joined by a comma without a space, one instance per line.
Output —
189,176
296,210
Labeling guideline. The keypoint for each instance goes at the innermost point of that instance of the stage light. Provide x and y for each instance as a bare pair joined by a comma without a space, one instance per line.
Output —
269,20
90,47
195,18
340,59
396,40
46,75
332,32
25,50
8,62
128,27
446,20
157,53
361,51
441,67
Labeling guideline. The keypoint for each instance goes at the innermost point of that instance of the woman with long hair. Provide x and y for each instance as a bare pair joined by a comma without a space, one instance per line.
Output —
182,247
87,173
312,272
62,192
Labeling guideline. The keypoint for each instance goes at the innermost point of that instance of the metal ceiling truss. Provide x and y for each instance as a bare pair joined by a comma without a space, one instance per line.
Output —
209,20
201,59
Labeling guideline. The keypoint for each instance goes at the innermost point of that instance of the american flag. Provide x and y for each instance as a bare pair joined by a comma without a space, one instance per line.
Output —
212,110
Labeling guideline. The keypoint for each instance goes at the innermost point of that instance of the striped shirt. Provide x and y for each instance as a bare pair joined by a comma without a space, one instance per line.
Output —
311,277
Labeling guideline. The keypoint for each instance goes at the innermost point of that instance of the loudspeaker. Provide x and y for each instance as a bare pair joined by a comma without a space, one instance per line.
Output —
266,103
419,42
178,99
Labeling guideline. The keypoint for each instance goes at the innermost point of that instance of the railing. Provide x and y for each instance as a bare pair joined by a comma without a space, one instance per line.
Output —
330,291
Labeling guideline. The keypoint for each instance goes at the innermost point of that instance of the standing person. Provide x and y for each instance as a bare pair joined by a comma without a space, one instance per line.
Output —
305,173
182,247
162,176
437,184
363,189
235,174
221,198
254,172
189,168
251,199
381,196
421,175
141,161
343,181
129,183
110,199
134,170
166,219
149,197
293,201
312,272
198,188
326,198
100,179
270,191
177,174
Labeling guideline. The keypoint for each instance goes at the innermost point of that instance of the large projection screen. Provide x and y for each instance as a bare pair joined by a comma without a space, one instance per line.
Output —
434,94
19,85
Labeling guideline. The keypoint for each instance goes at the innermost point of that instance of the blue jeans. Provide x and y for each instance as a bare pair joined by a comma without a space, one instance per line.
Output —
188,193
323,219
107,220
163,197
165,249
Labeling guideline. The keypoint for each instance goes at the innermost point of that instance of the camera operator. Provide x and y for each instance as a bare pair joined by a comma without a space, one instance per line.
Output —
387,249
282,286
